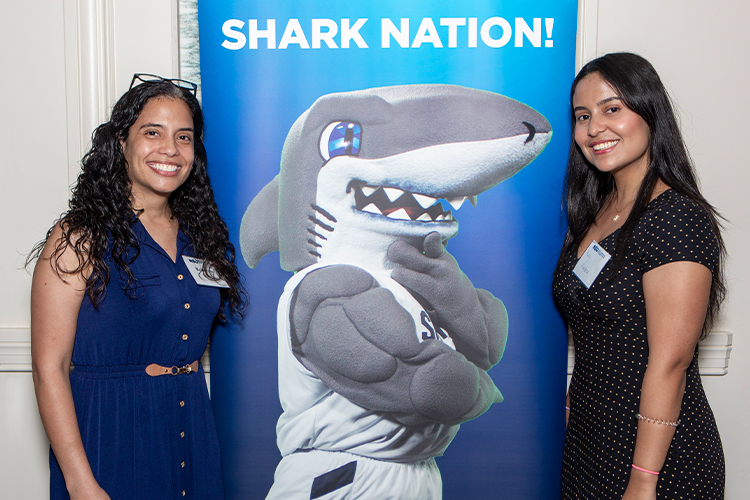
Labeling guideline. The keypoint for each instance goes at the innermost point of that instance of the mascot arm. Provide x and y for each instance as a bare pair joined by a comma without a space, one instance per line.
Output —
475,319
356,338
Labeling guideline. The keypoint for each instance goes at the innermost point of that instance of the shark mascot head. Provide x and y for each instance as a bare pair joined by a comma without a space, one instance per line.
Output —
384,343
362,168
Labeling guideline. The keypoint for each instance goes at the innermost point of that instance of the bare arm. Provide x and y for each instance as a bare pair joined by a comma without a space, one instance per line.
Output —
54,314
676,296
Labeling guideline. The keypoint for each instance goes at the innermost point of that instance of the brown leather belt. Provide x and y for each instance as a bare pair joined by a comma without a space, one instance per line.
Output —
155,370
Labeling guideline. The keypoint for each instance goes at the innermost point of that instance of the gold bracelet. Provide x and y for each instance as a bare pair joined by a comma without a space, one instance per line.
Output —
672,423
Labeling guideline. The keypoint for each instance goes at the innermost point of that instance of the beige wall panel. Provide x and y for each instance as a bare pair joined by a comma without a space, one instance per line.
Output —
145,35
24,449
33,141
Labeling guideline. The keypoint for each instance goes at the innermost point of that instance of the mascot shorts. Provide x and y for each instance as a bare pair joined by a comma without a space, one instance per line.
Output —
327,475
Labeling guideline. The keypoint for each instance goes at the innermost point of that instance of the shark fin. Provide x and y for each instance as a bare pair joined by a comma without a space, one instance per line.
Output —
259,230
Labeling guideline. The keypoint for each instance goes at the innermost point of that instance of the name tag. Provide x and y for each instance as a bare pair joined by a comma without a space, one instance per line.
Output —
195,266
591,264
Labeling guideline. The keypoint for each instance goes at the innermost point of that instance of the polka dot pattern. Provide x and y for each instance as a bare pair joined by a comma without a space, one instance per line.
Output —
608,322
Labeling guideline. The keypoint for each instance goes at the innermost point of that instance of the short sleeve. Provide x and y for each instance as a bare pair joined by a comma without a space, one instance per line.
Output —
676,230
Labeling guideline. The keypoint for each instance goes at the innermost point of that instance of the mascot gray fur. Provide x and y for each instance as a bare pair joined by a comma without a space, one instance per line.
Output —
384,343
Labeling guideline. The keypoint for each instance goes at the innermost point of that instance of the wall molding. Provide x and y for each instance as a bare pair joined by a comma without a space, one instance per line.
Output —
89,72
586,38
15,351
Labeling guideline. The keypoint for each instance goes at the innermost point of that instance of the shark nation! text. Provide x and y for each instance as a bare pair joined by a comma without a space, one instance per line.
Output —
450,32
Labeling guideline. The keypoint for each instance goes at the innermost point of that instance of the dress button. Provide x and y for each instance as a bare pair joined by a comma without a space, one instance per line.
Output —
182,464
183,492
182,434
182,403
184,336
180,277
187,305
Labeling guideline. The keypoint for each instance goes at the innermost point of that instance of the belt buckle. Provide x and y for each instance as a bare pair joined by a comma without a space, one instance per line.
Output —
180,370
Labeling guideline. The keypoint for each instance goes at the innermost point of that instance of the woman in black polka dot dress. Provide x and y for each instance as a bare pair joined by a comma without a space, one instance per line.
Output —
640,281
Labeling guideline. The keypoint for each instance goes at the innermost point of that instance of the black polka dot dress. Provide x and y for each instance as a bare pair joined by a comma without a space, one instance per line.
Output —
608,322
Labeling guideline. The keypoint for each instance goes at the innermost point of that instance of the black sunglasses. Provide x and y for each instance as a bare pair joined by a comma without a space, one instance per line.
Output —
149,78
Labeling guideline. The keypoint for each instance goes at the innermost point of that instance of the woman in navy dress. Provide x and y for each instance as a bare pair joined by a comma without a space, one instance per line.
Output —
640,281
126,288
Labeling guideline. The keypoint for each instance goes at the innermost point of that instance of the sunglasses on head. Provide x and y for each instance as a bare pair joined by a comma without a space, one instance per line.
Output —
139,78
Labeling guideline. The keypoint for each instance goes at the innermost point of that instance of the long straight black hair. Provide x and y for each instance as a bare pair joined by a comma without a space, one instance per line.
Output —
587,189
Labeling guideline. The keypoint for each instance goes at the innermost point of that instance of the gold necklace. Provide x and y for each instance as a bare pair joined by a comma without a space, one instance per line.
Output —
617,215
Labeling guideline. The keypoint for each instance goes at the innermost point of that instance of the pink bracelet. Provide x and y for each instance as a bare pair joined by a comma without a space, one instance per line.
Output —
645,470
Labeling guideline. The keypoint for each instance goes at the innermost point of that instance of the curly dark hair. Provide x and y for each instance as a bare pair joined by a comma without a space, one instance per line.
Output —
587,189
101,207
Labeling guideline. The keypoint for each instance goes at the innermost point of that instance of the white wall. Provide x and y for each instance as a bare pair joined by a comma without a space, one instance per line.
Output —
58,80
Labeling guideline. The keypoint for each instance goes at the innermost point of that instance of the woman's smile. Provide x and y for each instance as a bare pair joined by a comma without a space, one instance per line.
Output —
603,147
168,170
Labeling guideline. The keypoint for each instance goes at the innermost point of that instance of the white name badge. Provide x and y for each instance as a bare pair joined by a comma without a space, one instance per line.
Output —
195,266
591,264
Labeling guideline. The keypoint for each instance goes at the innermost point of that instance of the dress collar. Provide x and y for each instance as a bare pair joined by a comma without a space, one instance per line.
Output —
145,238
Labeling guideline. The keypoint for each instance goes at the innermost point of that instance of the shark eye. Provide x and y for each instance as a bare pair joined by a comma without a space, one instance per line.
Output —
340,138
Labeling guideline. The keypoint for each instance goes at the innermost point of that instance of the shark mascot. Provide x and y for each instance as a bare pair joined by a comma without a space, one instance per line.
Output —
384,344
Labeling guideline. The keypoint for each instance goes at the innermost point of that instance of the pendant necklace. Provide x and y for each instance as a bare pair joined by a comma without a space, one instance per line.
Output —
617,215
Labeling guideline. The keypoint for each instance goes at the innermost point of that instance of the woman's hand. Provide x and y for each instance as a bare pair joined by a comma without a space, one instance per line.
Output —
642,486
647,494
92,492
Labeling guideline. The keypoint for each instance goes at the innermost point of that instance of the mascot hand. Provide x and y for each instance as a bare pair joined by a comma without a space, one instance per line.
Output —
357,339
475,319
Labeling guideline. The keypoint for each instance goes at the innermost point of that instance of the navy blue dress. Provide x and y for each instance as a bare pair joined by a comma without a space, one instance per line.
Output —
146,437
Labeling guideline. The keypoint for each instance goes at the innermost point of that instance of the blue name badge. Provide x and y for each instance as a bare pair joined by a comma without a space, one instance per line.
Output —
591,264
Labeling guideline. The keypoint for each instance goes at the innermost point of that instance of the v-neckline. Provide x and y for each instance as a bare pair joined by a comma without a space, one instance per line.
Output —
149,240
578,257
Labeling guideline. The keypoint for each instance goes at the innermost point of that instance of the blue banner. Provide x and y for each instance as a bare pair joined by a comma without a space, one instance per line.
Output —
264,64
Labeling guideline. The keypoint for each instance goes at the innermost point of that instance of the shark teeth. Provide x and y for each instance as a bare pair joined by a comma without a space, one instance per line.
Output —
399,214
393,193
400,205
457,202
424,200
372,209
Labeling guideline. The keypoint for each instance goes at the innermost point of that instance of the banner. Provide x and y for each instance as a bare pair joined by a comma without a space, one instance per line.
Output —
264,64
